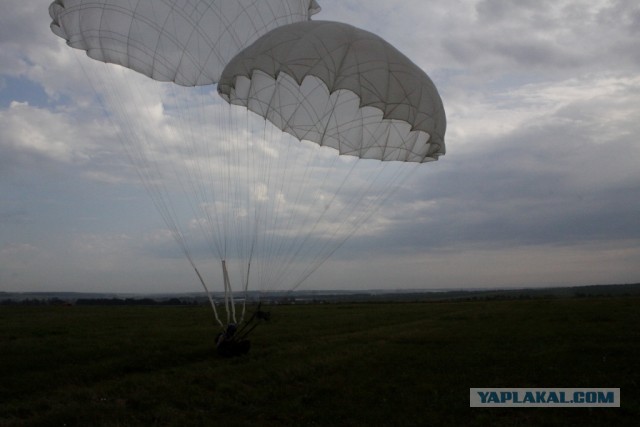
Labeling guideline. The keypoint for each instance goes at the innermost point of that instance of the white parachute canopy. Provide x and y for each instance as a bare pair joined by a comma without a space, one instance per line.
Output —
184,41
342,87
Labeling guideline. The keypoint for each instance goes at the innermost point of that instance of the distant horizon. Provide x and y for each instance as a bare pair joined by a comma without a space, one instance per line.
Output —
322,291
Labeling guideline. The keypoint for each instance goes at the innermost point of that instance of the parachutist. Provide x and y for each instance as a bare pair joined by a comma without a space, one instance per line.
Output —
230,345
233,340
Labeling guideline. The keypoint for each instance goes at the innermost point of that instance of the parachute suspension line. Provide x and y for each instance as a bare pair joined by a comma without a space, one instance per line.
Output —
213,305
228,295
212,157
263,198
251,214
311,220
232,207
349,218
159,193
205,158
199,180
137,146
396,181
279,180
319,258
297,245
278,243
134,140
277,183
287,248
293,185
200,185
217,161
260,174
246,229
246,291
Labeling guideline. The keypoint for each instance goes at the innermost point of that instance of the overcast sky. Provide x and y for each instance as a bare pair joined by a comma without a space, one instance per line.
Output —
540,185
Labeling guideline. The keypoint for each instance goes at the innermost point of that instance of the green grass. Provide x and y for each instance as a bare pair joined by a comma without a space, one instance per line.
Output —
317,365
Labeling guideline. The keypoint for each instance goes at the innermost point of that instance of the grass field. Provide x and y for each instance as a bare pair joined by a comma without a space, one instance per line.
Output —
317,365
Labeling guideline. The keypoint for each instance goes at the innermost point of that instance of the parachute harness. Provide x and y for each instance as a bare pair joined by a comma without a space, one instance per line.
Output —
233,340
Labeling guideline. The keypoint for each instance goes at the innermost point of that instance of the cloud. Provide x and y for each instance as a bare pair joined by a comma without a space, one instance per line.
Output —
49,138
560,170
540,183
35,141
559,37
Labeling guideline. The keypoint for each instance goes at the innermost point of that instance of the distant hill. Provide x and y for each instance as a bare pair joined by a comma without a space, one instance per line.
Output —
552,292
316,296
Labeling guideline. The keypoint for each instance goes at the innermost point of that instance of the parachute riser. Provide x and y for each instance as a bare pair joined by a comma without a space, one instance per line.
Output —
229,302
213,305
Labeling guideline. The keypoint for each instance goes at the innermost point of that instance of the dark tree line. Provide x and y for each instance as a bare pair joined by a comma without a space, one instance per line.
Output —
99,302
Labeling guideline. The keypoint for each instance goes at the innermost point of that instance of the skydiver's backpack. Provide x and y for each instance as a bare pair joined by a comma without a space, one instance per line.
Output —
228,346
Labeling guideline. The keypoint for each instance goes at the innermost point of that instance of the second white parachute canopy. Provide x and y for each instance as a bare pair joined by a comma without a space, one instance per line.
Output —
342,87
185,41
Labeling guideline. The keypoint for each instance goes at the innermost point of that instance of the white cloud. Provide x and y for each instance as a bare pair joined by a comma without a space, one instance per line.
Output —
41,132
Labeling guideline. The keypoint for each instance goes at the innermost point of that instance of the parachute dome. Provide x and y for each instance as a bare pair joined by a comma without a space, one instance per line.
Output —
342,87
187,42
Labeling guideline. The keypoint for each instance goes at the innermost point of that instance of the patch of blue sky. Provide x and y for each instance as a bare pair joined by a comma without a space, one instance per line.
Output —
21,89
